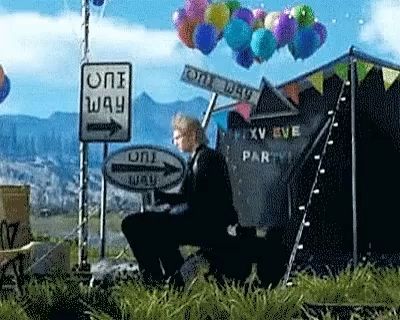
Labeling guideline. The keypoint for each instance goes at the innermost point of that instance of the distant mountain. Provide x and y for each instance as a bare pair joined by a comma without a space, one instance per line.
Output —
26,137
45,152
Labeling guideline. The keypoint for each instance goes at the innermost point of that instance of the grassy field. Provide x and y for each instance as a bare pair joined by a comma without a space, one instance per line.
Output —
63,224
348,295
66,299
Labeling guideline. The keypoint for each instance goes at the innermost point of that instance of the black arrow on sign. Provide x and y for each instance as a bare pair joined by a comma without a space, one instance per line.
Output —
123,167
111,126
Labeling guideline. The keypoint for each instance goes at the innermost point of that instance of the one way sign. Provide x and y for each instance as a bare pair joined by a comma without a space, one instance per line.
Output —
105,102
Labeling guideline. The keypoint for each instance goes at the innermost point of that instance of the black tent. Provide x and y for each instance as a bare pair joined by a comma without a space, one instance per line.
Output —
327,172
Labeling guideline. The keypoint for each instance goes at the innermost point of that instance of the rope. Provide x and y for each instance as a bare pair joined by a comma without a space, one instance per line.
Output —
306,208
75,230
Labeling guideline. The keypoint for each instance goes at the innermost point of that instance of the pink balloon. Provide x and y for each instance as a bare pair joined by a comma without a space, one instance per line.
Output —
259,14
195,9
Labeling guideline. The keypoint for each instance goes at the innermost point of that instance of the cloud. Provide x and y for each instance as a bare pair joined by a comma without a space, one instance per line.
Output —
45,46
381,30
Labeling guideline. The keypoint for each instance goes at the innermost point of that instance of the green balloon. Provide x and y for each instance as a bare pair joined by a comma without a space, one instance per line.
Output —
232,5
304,15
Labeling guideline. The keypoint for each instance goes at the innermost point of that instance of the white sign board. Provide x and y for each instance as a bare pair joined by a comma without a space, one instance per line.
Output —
220,85
142,168
105,102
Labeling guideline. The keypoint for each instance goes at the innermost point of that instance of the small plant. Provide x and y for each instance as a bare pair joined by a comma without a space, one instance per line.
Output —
11,310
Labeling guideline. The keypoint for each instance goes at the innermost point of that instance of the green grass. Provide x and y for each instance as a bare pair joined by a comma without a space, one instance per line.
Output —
366,285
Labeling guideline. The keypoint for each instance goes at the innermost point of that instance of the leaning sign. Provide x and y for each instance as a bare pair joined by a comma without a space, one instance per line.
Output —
105,102
145,167
220,85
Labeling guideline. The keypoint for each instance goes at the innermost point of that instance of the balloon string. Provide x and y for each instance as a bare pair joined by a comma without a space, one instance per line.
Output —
68,10
103,8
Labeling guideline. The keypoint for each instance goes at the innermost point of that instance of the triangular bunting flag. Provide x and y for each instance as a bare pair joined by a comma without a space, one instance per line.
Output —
221,119
389,76
317,80
362,69
292,90
244,110
341,70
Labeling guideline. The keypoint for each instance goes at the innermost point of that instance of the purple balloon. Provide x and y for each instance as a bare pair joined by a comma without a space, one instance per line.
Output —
285,29
245,15
178,16
321,30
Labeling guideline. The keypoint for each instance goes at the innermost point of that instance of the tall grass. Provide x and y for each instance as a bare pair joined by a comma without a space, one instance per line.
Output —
69,299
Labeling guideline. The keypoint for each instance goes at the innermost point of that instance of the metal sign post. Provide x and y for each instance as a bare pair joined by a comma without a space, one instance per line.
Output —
105,113
103,202
83,162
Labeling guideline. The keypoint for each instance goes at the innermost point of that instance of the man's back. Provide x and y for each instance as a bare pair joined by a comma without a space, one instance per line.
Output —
209,191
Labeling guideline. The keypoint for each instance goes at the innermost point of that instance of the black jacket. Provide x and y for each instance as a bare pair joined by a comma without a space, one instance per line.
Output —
206,189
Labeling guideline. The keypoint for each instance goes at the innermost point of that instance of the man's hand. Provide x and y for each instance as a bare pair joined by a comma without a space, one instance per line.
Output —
158,208
159,197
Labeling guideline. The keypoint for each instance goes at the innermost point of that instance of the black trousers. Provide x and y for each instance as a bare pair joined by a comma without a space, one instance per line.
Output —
155,237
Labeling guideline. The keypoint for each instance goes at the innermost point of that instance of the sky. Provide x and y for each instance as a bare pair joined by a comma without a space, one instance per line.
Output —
41,47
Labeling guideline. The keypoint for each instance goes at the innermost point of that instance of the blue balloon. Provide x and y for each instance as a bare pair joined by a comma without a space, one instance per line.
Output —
263,43
237,34
98,2
5,89
244,57
305,42
205,37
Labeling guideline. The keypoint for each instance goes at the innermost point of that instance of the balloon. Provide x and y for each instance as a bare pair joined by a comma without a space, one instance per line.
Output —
263,43
5,89
244,57
1,76
205,37
98,2
195,9
259,14
232,5
178,16
321,30
237,34
244,14
305,43
304,15
285,29
217,14
270,19
186,30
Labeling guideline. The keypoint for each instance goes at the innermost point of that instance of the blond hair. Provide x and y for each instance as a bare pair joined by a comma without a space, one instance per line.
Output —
185,124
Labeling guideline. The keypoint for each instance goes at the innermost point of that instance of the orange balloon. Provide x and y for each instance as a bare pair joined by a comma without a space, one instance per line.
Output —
1,76
186,30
